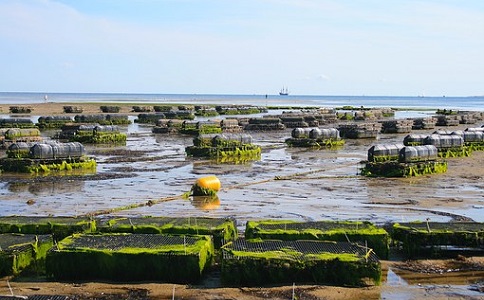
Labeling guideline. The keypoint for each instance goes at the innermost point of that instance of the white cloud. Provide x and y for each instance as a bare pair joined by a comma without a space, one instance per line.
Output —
357,42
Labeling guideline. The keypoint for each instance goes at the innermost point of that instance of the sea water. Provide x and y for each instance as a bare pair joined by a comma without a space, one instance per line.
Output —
471,103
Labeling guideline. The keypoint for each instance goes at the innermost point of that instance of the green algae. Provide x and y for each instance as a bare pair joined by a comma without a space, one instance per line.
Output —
355,231
221,230
287,265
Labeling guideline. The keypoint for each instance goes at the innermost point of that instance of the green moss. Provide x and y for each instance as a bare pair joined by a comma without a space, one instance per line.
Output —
314,143
40,166
454,152
59,227
99,138
396,169
202,191
245,152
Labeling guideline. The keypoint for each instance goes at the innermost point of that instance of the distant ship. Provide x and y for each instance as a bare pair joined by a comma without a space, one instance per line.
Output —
284,92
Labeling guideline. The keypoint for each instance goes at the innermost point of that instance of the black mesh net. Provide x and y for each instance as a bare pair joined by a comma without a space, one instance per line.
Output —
41,220
451,227
119,241
299,248
161,221
324,226
19,242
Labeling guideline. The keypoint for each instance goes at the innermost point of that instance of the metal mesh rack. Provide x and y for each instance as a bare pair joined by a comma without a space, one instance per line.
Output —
41,220
119,241
452,227
160,221
322,225
301,248
15,242
38,297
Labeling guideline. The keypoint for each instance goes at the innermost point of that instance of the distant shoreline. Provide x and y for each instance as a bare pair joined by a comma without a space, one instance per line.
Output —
56,108
468,103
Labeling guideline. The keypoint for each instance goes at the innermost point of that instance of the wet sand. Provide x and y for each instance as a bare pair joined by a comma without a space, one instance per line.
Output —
317,185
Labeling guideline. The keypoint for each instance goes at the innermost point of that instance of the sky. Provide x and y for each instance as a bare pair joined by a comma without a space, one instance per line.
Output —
312,47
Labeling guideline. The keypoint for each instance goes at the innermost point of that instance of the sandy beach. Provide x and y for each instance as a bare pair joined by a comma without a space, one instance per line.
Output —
456,195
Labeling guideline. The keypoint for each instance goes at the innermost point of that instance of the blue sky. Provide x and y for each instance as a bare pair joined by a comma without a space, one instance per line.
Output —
314,47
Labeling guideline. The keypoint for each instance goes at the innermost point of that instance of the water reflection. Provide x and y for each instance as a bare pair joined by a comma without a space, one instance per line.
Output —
205,202
46,188
394,280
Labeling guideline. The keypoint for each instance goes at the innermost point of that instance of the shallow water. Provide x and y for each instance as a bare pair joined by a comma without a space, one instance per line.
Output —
319,185
329,187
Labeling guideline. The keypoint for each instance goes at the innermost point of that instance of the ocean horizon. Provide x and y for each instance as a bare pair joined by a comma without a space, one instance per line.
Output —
470,103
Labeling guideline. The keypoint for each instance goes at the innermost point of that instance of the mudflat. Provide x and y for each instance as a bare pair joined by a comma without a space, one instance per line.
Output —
310,185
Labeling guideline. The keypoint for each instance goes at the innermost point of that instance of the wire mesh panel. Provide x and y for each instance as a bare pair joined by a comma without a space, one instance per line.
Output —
219,228
60,227
16,242
39,297
116,242
300,249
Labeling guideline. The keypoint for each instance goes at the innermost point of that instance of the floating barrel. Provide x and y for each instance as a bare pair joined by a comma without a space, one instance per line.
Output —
230,123
414,139
240,138
475,129
19,146
443,132
14,133
473,136
384,152
19,149
418,153
444,141
56,150
87,127
50,119
15,121
299,132
90,118
41,150
106,128
458,132
204,140
325,134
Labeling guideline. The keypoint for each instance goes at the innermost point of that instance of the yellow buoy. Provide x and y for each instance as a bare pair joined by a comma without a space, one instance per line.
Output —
206,186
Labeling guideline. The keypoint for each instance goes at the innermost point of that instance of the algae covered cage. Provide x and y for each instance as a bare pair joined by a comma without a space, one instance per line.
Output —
19,252
131,257
434,238
256,262
58,227
222,230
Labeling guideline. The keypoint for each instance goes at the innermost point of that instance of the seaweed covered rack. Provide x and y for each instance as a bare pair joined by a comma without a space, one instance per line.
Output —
434,239
128,257
256,262
364,233
398,160
46,157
